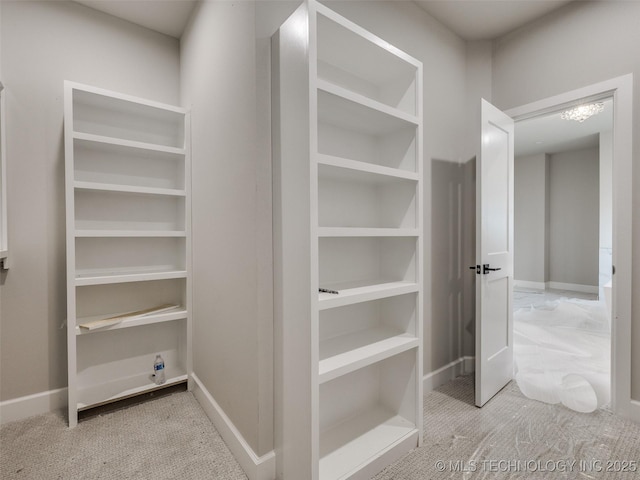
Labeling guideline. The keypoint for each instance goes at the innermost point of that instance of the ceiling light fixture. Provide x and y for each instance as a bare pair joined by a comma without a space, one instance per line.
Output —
581,113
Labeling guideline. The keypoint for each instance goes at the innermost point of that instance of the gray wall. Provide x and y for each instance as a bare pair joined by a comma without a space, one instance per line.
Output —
584,43
531,218
557,207
233,338
44,43
478,86
574,207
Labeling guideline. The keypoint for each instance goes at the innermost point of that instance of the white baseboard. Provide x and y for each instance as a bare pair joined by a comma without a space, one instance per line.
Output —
30,405
256,468
447,373
528,284
634,411
573,287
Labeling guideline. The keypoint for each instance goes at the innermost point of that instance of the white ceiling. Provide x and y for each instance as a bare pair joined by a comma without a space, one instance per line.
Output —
487,19
165,16
470,19
550,134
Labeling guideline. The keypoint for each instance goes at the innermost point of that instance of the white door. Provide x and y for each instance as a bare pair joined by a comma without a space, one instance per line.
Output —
494,254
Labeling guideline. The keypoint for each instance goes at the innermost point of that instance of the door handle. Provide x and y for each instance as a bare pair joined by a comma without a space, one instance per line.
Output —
476,268
486,269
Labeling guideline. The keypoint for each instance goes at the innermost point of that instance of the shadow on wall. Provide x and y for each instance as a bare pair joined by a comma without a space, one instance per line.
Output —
452,251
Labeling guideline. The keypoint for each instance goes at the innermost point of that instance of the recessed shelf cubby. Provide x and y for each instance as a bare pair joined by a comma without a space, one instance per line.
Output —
123,369
363,333
375,411
115,299
139,121
351,198
120,165
364,67
353,131
362,261
124,211
121,256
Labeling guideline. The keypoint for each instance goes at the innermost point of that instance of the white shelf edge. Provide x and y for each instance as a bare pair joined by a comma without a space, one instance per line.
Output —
170,316
130,277
367,35
109,187
129,233
364,167
131,392
346,94
347,362
367,293
123,96
367,232
90,137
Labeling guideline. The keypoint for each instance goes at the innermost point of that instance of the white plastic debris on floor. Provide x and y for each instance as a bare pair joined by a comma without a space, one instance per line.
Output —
562,353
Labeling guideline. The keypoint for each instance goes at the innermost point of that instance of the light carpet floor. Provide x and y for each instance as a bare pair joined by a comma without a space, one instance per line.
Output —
171,438
167,438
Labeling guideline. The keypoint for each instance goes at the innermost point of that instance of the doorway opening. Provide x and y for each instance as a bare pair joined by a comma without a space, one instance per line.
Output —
578,391
562,257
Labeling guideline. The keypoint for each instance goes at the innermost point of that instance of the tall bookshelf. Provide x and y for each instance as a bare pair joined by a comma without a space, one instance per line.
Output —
128,215
347,144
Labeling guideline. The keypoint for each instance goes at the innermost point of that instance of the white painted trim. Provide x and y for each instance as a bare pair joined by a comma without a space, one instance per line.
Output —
634,411
528,284
30,405
573,287
442,375
621,90
255,467
469,365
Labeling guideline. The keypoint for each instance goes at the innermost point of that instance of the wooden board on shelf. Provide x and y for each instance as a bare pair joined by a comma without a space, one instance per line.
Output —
105,322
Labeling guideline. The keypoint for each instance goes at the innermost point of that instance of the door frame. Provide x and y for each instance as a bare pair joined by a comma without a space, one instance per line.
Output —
620,89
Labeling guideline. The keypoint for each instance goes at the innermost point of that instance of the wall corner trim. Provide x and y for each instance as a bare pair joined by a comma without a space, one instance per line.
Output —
461,366
30,405
255,467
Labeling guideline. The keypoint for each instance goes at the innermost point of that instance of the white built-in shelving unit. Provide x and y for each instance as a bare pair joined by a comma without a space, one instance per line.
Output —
347,137
128,244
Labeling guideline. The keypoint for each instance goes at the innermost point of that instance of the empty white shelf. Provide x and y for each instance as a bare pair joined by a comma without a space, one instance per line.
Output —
364,167
107,187
90,137
342,112
351,96
362,439
367,232
354,293
345,353
106,277
129,233
102,393
179,313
